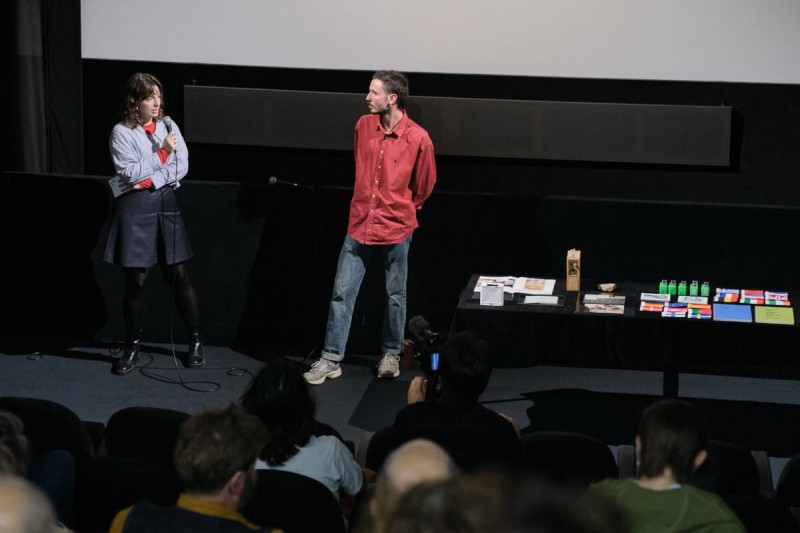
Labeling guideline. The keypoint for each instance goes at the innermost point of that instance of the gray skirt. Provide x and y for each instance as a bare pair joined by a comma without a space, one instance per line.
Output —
147,228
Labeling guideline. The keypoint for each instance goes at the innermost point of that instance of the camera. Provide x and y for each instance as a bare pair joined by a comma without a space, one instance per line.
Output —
426,346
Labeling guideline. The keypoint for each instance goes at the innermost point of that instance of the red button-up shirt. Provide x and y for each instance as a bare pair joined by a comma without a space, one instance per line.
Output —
395,174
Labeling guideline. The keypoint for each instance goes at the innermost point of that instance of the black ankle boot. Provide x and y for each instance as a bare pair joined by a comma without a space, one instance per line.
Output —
195,359
129,359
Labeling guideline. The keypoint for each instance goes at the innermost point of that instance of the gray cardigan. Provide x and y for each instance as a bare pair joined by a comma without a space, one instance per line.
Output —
133,153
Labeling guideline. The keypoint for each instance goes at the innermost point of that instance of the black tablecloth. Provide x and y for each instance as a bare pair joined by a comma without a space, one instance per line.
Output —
525,335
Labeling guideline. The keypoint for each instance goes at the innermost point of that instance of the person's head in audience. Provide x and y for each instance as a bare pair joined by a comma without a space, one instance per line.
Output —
465,366
491,501
215,455
14,452
672,440
417,461
280,397
24,508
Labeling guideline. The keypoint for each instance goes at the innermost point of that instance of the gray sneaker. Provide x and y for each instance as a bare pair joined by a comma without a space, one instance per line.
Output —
389,367
321,370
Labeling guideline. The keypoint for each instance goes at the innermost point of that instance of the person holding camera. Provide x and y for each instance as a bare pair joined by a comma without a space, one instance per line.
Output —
473,435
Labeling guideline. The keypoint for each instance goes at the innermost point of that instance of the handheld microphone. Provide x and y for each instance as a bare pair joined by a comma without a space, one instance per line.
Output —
168,124
275,181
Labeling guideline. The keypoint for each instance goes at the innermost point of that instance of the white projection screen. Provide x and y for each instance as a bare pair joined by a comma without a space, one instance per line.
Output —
691,40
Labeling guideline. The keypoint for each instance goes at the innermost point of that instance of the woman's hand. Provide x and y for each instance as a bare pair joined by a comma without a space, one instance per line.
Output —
170,142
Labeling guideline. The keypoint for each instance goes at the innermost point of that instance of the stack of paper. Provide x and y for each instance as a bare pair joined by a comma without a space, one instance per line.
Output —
675,310
751,296
699,311
727,295
777,298
655,307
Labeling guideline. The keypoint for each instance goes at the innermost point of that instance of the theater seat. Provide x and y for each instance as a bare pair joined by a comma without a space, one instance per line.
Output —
106,485
293,502
568,458
788,489
144,433
51,426
731,469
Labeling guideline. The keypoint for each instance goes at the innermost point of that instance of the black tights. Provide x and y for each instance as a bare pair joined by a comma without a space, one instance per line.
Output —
182,290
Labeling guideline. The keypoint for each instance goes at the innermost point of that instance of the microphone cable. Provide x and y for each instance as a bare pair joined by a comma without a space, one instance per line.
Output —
213,386
146,370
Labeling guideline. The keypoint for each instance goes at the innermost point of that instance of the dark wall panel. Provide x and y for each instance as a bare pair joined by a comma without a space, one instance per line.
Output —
469,127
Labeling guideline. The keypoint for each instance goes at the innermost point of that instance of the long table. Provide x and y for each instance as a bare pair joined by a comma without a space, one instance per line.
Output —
524,335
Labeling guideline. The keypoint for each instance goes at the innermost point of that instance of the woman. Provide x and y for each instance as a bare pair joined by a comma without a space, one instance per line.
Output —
279,396
150,158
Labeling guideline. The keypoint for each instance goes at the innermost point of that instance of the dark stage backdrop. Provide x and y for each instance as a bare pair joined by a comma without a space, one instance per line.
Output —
730,225
265,256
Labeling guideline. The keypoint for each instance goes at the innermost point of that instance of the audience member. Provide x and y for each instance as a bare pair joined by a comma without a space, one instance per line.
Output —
492,501
215,455
672,444
417,461
24,508
52,471
280,397
14,444
471,434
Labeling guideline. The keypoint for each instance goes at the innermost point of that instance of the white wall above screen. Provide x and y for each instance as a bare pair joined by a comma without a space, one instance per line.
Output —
698,40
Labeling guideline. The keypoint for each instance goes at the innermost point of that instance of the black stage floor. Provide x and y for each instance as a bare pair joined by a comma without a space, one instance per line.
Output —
78,375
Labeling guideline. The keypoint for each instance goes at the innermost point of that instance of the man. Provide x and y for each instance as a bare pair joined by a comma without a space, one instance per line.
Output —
671,444
415,462
471,434
215,457
395,173
23,507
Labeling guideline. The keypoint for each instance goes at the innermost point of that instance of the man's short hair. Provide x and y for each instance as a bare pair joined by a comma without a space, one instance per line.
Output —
213,446
465,366
492,501
24,507
394,83
672,432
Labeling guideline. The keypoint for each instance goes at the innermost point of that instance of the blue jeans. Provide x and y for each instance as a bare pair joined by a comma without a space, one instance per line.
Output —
353,261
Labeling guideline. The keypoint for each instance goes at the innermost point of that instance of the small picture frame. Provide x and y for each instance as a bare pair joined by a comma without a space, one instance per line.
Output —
492,294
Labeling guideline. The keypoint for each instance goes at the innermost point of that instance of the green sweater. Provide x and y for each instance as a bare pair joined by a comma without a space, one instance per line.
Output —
681,509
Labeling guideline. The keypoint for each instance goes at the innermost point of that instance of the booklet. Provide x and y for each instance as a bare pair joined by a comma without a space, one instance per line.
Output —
543,300
732,313
775,315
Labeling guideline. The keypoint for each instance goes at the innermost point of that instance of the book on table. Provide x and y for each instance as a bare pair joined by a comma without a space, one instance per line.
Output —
775,315
732,313
518,285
